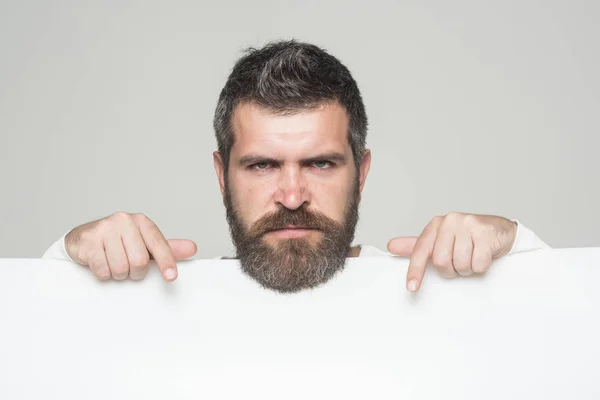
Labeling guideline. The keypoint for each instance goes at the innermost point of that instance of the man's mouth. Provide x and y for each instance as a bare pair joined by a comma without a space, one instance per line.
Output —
291,231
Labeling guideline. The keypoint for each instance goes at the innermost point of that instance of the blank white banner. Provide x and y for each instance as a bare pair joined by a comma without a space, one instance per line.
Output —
528,329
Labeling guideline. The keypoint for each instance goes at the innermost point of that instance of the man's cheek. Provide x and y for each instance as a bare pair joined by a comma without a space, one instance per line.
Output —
248,215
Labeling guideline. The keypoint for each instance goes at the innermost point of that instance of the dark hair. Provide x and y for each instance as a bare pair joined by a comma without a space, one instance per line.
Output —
288,77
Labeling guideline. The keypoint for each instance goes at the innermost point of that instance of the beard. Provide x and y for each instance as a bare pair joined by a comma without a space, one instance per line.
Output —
293,264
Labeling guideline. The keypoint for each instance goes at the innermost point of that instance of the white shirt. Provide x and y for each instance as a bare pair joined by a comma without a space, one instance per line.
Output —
526,240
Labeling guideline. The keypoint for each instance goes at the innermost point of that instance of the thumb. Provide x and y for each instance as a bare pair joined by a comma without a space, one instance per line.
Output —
402,246
182,248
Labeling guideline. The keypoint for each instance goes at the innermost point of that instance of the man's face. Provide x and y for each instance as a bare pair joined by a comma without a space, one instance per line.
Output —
291,194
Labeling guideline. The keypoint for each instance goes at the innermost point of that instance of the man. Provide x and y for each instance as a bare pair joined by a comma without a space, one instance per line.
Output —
291,130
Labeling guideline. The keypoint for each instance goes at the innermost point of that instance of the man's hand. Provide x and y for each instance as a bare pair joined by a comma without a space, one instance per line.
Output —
122,245
457,243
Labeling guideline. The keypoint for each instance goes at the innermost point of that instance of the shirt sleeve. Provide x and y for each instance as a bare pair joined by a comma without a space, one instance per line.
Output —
526,240
57,251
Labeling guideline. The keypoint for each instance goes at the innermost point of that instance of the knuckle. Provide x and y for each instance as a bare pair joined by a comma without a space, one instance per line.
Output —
158,241
462,258
118,219
120,271
440,261
448,273
463,268
150,225
487,230
438,219
149,228
120,215
471,218
144,218
139,261
481,262
454,215
139,217
480,267
472,221
99,270
432,226
477,269
85,253
104,225
102,274
137,276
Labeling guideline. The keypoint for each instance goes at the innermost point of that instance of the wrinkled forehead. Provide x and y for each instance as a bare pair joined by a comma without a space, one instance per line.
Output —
321,128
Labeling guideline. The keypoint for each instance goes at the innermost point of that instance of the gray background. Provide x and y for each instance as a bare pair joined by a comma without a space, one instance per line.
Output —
474,106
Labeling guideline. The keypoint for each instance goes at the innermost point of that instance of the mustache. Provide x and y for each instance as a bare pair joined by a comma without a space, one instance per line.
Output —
284,217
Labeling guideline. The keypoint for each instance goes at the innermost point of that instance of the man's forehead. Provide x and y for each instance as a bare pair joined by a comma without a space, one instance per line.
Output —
326,124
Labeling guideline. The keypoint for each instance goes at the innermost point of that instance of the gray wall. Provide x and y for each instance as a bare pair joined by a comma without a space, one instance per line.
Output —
484,108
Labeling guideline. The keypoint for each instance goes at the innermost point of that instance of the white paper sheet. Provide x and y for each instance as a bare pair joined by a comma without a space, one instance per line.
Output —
528,329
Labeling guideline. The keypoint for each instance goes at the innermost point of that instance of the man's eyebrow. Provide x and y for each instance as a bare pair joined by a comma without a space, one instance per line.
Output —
255,159
333,156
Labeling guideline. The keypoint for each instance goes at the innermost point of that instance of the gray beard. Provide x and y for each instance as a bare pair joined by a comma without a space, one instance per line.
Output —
293,264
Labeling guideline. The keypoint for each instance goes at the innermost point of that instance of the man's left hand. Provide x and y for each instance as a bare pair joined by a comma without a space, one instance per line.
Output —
457,243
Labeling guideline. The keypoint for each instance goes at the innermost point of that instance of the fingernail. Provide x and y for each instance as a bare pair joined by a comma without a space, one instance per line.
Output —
412,285
170,274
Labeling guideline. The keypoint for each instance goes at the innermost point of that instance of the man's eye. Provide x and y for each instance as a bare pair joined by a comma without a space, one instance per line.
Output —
261,165
322,164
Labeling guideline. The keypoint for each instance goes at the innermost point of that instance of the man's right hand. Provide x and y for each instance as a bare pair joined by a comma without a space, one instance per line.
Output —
122,245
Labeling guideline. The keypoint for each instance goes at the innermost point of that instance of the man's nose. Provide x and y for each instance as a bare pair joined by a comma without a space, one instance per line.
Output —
292,191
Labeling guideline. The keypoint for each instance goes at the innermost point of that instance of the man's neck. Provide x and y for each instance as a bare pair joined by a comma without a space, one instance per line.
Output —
354,251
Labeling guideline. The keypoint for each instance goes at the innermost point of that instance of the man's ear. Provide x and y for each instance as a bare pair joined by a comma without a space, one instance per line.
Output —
365,165
220,169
